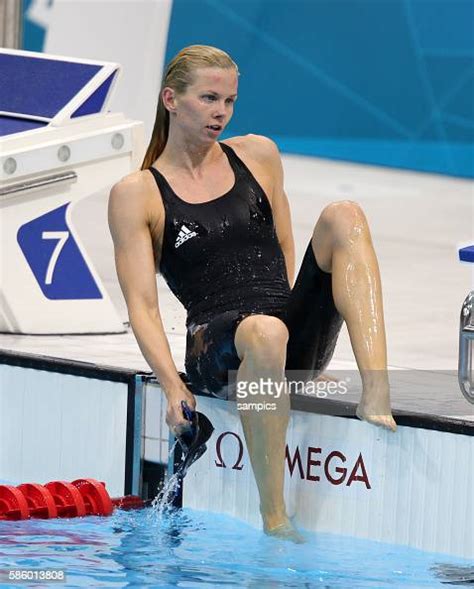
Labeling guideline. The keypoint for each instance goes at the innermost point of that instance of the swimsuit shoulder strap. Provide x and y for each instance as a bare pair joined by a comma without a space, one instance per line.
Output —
167,193
235,161
242,171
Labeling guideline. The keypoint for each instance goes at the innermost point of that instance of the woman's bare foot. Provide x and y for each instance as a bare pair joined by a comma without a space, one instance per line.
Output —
374,406
285,531
376,413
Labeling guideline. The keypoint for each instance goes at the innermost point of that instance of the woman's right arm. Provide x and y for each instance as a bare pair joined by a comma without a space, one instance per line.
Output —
129,222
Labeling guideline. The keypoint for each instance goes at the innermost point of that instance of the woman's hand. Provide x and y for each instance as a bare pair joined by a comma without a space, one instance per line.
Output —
174,413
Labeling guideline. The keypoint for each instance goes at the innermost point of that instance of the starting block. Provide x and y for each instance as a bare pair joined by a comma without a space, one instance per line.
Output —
59,145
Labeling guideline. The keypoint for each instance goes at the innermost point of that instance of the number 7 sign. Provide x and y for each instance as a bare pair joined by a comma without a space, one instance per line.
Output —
55,258
62,237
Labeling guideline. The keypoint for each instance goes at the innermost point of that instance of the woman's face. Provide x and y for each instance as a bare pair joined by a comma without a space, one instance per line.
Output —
206,107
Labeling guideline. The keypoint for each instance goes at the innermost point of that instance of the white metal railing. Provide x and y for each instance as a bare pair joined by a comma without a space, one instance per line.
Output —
466,337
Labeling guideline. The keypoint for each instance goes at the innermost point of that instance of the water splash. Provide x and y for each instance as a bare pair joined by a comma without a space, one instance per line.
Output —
163,502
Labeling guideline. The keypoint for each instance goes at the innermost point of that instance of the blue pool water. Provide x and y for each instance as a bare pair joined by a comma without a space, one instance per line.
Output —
200,550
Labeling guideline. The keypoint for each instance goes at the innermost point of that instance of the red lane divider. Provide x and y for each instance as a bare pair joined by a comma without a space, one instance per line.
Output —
96,498
129,502
61,499
39,499
13,504
67,498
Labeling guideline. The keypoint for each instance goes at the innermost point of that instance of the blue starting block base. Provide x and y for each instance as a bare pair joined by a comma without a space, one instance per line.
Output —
466,254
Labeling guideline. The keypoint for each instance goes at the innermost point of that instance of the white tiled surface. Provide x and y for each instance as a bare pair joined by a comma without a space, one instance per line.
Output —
156,431
156,450
43,439
417,222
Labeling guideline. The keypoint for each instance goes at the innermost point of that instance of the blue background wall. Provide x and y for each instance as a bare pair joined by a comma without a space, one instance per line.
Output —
388,82
33,33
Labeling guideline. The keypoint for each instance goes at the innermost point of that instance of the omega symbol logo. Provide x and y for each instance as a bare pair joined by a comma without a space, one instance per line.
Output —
220,462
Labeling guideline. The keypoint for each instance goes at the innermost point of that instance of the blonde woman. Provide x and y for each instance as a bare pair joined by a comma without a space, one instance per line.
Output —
214,219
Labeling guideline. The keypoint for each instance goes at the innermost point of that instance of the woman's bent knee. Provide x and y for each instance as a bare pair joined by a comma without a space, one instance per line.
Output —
261,334
346,221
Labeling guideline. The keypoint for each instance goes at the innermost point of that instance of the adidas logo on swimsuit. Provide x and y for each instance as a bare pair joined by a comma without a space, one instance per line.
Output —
183,235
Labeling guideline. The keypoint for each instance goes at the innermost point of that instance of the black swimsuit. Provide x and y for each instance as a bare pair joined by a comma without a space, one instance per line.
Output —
222,260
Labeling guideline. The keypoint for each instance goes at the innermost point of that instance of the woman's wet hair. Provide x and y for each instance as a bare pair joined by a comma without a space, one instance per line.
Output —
179,74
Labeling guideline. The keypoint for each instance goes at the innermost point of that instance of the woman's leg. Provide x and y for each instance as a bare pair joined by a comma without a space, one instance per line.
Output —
255,347
261,341
342,245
